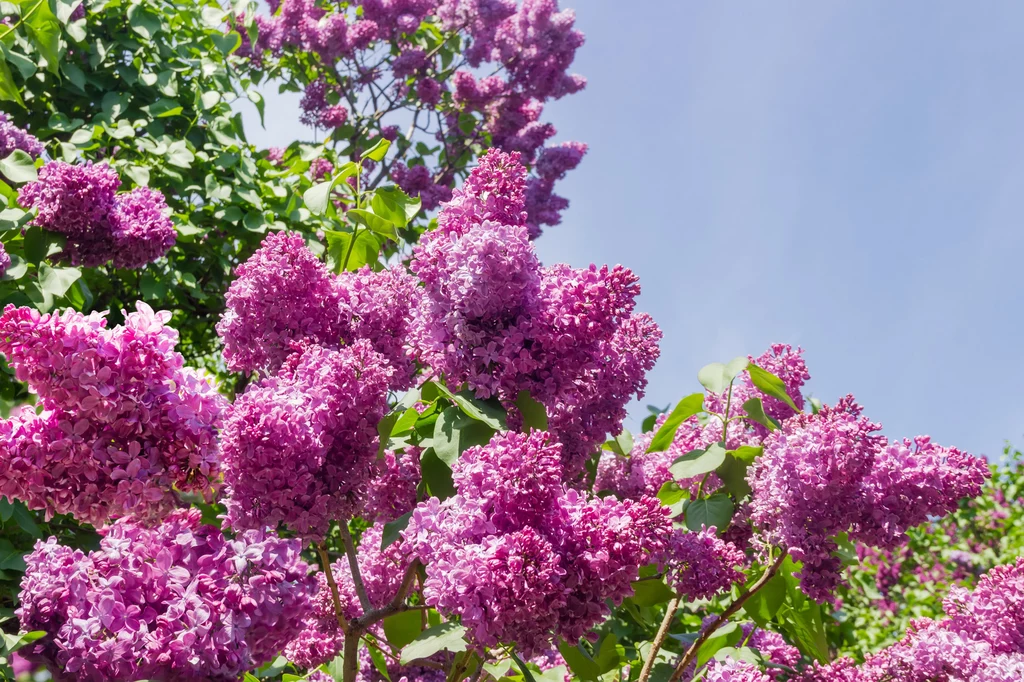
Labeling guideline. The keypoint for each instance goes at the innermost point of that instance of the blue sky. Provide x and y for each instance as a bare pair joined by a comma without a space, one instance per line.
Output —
846,176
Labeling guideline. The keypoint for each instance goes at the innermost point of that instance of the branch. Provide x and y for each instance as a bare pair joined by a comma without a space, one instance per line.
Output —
691,653
350,548
322,551
659,639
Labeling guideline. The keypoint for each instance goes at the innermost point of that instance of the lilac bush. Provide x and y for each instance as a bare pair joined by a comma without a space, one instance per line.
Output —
407,458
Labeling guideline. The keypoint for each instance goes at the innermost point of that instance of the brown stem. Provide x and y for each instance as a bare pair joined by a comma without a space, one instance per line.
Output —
691,653
351,665
353,562
659,639
322,551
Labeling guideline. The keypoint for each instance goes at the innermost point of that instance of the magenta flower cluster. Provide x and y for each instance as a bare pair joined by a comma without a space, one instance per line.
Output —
981,640
527,49
518,557
175,602
283,294
700,565
830,473
5,261
80,202
299,447
493,318
121,428
12,137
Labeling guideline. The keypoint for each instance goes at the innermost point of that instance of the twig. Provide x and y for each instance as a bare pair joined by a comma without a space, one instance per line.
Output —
353,563
325,560
691,653
659,639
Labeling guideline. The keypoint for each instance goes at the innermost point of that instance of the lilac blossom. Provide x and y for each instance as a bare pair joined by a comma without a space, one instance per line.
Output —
122,427
12,137
299,447
178,601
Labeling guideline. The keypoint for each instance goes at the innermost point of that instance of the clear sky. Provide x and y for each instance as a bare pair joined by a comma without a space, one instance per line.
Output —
846,176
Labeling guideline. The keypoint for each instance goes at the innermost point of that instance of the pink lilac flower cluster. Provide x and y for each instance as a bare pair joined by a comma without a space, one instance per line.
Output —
518,556
831,473
121,428
782,361
178,601
492,317
982,640
732,670
299,447
320,638
283,294
529,50
320,168
392,490
81,203
700,565
5,261
13,138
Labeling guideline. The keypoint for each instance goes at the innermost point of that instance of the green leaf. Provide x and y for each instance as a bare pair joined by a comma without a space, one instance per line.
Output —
210,98
490,413
727,635
393,529
801,617
336,668
454,432
527,673
579,659
44,29
403,628
444,637
755,413
24,519
534,414
697,462
363,251
40,244
769,384
437,475
391,203
733,471
178,154
715,511
8,90
56,281
65,8
687,407
372,222
379,662
762,605
227,42
716,377
651,592
608,656
163,108
318,197
18,167
377,151
143,22
621,444
11,559
214,16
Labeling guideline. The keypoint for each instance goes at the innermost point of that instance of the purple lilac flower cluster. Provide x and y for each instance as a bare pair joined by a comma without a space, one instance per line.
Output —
529,50
299,447
493,318
178,601
982,640
122,426
824,474
320,638
81,203
5,261
700,565
12,137
283,294
392,491
518,556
